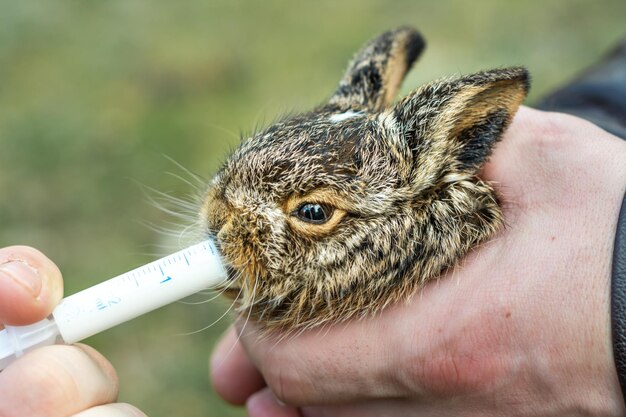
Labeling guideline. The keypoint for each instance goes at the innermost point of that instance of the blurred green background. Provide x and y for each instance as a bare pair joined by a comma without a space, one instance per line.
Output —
97,96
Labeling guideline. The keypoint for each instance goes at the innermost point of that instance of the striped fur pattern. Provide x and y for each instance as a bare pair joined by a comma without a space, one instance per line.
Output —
400,179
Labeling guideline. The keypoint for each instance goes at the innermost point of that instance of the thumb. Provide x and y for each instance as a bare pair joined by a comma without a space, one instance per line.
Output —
30,285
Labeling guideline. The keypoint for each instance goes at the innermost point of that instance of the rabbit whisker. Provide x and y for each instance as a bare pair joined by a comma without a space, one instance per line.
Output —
213,323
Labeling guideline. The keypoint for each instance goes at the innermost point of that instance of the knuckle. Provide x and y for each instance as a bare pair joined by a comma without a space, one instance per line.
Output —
547,147
557,146
443,374
547,131
465,360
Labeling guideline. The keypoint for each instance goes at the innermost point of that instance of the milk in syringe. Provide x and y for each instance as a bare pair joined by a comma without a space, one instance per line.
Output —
118,300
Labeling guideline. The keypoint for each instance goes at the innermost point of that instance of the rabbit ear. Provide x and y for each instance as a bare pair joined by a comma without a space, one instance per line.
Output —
374,75
464,117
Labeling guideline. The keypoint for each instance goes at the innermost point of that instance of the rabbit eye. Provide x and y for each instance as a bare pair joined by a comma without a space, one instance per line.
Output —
314,213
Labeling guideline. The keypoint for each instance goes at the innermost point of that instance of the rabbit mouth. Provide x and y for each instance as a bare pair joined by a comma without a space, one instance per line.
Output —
231,288
242,271
232,274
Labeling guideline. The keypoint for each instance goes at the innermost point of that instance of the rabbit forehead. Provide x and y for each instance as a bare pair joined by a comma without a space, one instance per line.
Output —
304,153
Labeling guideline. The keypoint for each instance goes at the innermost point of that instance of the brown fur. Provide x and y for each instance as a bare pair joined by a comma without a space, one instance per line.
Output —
401,178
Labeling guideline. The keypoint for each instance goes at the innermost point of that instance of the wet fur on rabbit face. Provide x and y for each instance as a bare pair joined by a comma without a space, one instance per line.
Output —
339,212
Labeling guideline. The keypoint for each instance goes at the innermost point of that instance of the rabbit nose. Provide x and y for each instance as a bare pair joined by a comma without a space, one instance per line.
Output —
224,230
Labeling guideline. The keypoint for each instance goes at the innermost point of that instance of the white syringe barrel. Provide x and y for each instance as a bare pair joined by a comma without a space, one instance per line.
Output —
139,291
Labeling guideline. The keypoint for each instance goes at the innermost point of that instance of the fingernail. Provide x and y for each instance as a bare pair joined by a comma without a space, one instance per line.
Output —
22,274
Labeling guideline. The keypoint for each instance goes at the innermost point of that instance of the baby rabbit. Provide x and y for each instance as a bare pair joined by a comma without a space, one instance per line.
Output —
341,211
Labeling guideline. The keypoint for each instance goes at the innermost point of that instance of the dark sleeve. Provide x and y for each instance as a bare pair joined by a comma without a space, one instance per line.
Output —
618,298
598,94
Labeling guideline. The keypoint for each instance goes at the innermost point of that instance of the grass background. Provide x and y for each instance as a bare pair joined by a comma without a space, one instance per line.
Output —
93,94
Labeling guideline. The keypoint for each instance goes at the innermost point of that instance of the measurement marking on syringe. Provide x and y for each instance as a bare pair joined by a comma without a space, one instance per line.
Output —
186,260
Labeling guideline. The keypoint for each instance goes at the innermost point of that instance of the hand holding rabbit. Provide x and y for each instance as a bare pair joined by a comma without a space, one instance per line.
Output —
521,327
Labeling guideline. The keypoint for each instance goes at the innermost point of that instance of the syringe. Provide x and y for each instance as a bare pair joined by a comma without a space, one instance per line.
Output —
118,300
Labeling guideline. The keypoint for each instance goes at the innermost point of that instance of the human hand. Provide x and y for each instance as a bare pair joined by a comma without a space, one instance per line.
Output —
521,327
54,381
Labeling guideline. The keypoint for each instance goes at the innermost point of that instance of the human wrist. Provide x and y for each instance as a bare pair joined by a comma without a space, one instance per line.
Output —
574,189
615,186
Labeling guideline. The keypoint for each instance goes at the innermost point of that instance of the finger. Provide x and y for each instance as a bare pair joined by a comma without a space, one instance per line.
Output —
57,381
30,285
265,404
346,362
233,374
112,410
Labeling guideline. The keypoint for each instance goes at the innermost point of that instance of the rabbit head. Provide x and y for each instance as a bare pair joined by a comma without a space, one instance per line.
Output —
338,212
